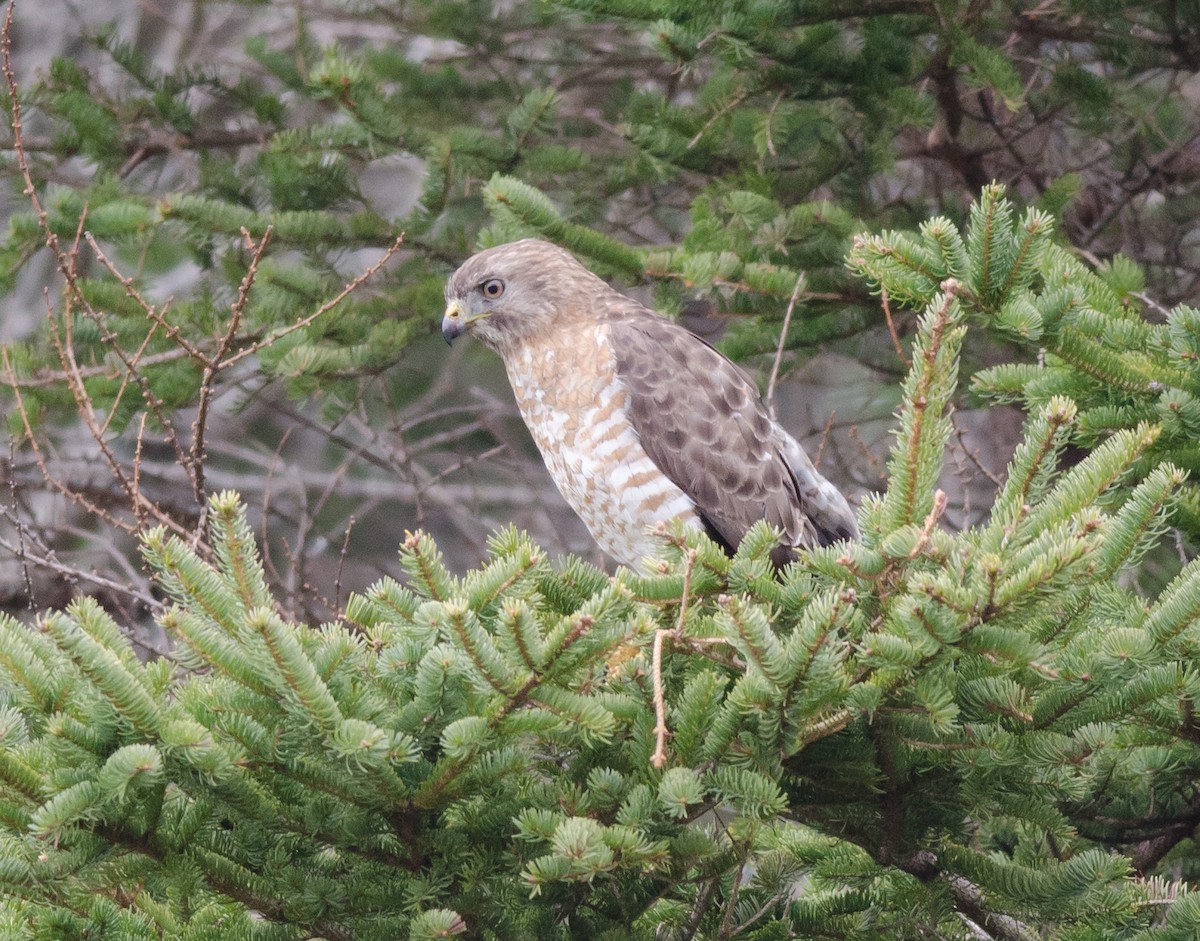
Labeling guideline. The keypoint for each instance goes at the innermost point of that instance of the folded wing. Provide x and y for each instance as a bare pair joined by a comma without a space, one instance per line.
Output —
701,421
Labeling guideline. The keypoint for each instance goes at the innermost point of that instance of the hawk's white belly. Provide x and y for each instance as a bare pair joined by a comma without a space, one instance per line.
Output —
574,404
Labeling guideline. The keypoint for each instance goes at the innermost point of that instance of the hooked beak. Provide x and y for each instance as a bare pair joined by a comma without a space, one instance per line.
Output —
454,324
456,320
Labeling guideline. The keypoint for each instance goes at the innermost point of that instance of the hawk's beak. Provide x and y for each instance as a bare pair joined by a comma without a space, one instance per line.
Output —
454,324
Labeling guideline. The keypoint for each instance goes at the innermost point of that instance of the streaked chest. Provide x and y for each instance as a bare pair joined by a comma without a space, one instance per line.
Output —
571,397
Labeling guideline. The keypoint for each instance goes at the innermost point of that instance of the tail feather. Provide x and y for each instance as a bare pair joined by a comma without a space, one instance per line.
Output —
824,505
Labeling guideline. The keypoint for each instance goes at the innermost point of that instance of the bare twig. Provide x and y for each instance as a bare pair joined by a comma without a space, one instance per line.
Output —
126,378
973,454
127,366
337,581
825,431
155,314
891,325
65,347
137,471
268,481
52,482
699,906
66,261
73,573
212,367
45,379
350,287
659,758
783,330
18,524
726,929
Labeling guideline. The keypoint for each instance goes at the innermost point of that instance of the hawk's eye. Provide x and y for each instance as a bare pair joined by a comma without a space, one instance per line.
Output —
492,288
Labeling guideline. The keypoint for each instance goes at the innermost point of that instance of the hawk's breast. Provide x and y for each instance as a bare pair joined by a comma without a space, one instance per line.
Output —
576,408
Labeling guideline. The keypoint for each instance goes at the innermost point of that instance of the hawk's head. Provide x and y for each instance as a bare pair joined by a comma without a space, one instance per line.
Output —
506,294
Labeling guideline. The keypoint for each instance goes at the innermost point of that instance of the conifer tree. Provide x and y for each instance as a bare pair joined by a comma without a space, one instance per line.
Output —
926,734
921,734
1096,345
724,152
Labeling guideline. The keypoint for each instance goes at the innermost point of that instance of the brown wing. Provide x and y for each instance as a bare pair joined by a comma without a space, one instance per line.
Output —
700,419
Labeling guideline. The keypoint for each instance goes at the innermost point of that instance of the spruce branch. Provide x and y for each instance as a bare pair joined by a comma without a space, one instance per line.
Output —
112,677
449,771
532,210
916,457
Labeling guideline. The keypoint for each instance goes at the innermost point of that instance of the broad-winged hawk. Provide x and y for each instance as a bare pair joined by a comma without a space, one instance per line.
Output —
638,420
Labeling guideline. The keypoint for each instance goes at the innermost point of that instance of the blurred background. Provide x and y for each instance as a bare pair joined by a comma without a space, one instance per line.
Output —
703,156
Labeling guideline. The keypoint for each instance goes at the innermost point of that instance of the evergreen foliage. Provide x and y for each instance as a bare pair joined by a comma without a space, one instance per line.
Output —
754,137
926,734
921,734
1096,342
725,152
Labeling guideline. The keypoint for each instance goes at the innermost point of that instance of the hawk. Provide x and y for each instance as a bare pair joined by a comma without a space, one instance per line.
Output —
639,420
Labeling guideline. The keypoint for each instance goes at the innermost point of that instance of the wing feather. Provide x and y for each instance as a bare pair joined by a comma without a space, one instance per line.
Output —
701,421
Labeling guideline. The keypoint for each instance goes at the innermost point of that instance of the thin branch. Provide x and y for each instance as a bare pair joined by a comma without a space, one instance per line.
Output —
699,907
783,331
726,929
891,325
337,581
931,521
158,316
659,758
211,368
44,379
52,482
973,454
350,288
825,432
47,560
155,144
18,523
769,121
65,347
717,115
